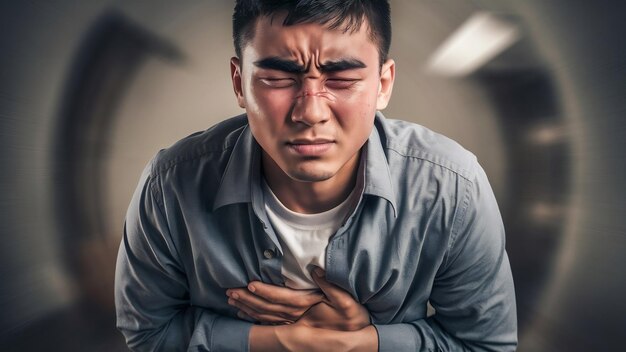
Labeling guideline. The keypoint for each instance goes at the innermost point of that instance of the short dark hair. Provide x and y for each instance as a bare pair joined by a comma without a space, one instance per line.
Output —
347,15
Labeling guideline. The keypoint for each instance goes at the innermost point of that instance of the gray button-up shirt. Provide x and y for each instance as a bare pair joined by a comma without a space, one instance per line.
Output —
426,228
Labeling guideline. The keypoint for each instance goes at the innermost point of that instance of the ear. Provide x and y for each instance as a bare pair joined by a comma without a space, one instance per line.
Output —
385,86
235,75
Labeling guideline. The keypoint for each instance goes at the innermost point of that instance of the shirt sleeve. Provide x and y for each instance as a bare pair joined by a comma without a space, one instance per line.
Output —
473,293
151,290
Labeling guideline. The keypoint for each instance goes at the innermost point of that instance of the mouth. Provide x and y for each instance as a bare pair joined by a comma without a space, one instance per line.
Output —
310,147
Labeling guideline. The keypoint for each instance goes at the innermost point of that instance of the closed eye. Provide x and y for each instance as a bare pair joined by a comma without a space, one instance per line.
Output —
278,82
340,83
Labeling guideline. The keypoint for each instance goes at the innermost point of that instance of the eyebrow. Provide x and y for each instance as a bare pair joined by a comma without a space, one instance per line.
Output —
279,64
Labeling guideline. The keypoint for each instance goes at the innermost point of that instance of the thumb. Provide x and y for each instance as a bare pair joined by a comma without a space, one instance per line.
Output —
333,293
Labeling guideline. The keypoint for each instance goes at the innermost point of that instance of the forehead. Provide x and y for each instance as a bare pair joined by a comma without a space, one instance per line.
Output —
306,40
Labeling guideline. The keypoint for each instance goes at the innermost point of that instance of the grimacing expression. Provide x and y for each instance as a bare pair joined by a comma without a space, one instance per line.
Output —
311,94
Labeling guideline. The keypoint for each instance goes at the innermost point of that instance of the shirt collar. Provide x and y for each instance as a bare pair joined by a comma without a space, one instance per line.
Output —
377,173
243,171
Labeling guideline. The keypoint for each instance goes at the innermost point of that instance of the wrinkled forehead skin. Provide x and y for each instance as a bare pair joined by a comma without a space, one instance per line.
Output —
309,43
269,32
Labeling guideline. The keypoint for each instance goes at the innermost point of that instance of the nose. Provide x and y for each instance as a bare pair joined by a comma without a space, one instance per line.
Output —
310,108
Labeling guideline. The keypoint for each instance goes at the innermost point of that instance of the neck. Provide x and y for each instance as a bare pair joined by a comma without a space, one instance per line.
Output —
311,197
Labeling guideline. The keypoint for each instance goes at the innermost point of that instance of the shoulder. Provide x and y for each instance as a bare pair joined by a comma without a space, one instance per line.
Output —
413,142
208,145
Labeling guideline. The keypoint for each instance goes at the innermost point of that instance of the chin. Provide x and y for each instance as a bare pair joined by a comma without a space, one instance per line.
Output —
310,176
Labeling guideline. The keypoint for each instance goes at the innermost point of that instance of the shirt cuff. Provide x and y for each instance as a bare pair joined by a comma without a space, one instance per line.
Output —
228,334
395,337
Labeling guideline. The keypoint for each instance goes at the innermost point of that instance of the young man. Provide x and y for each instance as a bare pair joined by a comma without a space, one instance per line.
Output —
312,223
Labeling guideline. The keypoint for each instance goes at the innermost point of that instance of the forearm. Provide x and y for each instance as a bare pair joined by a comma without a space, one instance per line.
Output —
465,321
298,337
421,335
429,335
189,329
154,314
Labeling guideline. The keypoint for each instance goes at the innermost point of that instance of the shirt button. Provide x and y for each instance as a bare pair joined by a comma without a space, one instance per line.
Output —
268,254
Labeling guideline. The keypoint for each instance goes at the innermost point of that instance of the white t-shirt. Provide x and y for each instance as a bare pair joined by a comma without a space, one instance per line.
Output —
303,237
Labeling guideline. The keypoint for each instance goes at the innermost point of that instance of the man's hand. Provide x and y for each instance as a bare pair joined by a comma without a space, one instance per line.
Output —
272,304
318,328
338,311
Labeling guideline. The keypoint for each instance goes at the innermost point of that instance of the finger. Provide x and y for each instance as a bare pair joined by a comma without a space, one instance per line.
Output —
262,306
246,312
244,316
285,296
337,296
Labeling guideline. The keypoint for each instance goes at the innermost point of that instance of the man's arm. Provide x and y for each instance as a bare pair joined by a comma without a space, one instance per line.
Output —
473,293
299,337
338,323
335,309
151,292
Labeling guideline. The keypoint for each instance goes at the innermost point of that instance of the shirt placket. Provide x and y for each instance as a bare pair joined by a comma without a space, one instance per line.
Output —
337,263
269,250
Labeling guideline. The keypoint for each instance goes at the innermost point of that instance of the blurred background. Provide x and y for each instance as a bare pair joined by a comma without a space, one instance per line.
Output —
91,90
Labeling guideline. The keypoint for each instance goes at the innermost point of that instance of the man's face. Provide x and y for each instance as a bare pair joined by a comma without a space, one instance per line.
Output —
310,94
